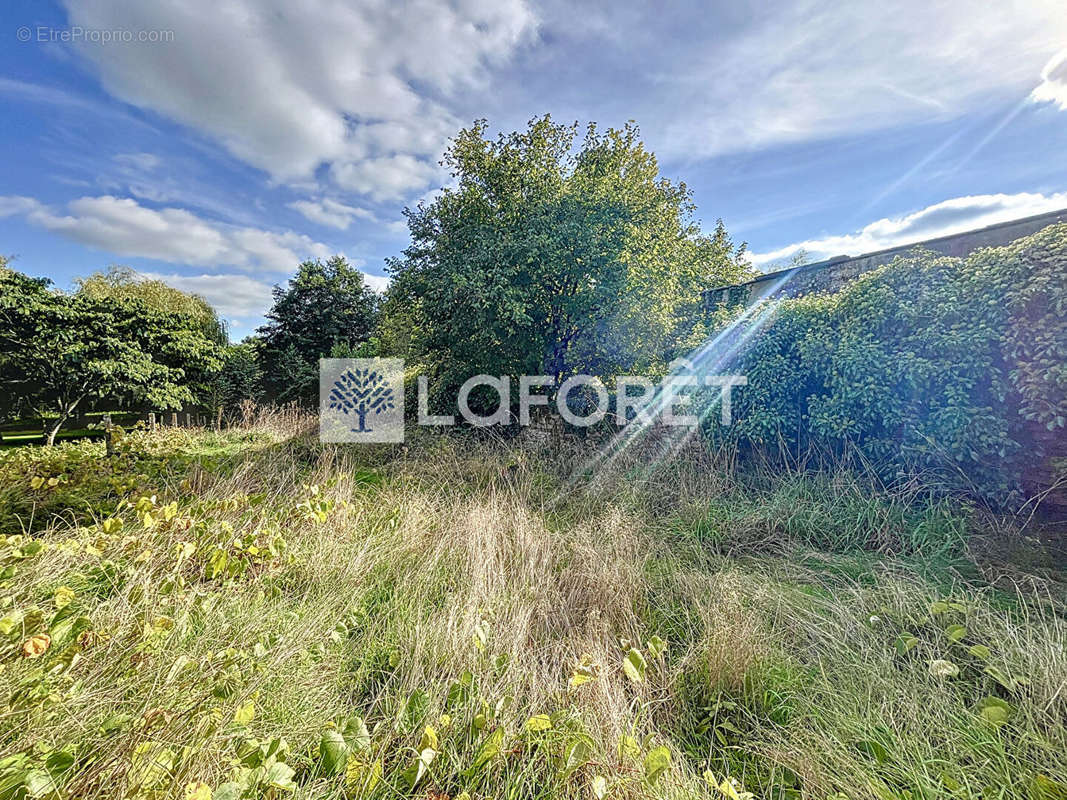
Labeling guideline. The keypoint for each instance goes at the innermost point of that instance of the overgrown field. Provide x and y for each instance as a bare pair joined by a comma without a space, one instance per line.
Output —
250,615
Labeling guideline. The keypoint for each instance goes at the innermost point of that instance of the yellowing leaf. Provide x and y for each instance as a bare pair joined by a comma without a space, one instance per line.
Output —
657,762
629,747
732,790
429,740
634,665
9,623
940,668
197,790
584,671
361,776
63,597
36,646
600,787
245,713
540,722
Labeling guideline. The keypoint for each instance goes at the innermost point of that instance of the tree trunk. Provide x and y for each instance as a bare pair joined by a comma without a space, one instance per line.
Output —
50,434
64,414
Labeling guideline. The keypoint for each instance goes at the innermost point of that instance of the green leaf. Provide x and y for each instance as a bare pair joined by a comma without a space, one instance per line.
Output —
656,646
356,734
634,665
279,775
414,774
228,791
1043,787
874,749
994,710
489,750
905,642
576,755
955,632
1009,682
333,752
657,762
979,651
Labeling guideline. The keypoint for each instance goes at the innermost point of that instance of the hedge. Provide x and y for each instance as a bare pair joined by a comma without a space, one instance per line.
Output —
954,370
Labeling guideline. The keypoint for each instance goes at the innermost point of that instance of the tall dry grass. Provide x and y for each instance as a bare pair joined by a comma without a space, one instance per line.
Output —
457,583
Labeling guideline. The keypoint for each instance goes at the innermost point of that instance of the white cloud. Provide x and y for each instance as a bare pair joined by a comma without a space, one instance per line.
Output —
234,296
289,89
385,178
331,213
378,283
801,70
144,162
124,227
942,219
1053,86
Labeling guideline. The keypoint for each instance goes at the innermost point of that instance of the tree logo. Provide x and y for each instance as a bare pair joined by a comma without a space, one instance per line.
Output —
361,399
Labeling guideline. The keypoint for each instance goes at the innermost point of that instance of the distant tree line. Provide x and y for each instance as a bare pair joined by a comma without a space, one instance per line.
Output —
549,255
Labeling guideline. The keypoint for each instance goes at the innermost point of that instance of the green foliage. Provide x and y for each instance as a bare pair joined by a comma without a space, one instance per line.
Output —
551,258
928,366
324,305
58,350
243,618
123,283
239,378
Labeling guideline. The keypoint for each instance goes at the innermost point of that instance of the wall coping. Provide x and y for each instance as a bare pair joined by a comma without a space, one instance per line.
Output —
836,261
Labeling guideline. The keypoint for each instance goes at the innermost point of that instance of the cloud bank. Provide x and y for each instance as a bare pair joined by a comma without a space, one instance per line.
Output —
941,219
363,87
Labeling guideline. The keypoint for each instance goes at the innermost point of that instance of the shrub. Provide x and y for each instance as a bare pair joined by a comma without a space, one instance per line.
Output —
931,366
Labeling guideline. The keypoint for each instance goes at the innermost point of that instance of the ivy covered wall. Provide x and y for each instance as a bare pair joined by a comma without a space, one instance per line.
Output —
949,370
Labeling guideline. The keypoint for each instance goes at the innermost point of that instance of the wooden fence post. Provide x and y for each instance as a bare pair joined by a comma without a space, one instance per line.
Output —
109,441
174,419
151,420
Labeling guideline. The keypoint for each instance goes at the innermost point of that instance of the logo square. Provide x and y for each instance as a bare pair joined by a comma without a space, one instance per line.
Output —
361,400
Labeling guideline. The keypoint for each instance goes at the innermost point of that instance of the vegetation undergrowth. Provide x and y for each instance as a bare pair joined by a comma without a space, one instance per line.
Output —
253,614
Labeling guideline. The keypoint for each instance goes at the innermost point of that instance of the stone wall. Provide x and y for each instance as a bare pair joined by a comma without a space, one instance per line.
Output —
832,274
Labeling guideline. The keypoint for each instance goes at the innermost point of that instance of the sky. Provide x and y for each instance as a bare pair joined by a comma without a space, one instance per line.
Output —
218,143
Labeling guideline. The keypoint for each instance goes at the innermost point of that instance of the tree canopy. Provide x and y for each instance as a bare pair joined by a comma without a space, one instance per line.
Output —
123,283
547,257
323,307
57,350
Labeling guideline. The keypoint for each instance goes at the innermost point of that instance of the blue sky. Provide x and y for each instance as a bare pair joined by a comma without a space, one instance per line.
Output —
225,141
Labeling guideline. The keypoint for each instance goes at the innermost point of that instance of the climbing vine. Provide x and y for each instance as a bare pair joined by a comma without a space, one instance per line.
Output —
951,369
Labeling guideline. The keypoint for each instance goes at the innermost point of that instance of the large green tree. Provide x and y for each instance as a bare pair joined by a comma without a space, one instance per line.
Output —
325,305
547,257
59,350
123,283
